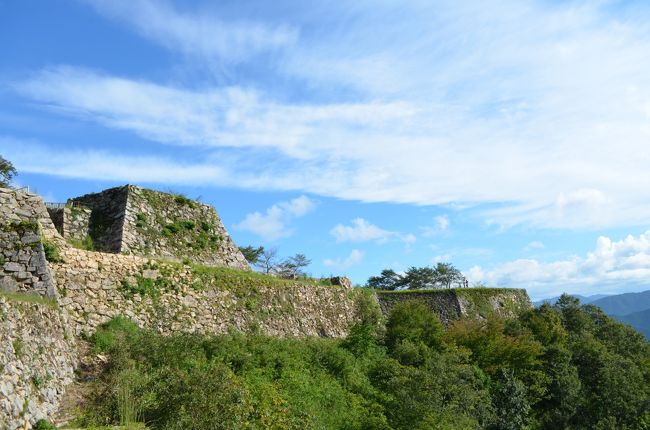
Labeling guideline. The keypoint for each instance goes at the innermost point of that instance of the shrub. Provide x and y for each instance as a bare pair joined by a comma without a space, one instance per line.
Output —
44,425
184,201
86,244
113,333
141,220
52,252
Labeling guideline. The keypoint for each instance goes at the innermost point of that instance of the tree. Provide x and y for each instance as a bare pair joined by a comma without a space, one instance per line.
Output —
251,254
7,172
291,268
418,278
510,403
267,260
446,274
388,280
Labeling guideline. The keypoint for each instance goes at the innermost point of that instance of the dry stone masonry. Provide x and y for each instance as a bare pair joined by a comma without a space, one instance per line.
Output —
454,304
37,361
72,222
22,257
172,297
138,221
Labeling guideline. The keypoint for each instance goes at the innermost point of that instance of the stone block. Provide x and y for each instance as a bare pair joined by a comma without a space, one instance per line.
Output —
13,267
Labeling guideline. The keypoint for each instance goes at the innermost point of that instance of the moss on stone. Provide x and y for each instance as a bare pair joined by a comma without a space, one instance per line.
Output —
22,227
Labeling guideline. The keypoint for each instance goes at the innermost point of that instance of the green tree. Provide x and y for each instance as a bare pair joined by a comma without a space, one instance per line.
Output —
412,331
446,275
388,280
419,278
252,254
510,402
7,172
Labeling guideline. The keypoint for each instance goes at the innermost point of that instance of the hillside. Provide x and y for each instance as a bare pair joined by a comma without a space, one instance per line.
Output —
624,304
639,320
583,299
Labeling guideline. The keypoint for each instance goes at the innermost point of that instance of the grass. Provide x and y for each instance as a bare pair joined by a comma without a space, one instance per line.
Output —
228,278
86,244
467,291
52,252
30,298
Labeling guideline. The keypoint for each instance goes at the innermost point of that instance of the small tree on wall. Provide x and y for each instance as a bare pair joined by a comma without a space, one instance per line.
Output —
7,172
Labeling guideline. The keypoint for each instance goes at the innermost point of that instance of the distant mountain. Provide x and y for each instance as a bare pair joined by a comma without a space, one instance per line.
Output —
639,320
583,299
629,308
624,304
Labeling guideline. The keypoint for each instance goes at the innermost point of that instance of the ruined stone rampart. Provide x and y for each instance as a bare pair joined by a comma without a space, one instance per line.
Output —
72,222
37,360
453,304
138,221
173,297
23,266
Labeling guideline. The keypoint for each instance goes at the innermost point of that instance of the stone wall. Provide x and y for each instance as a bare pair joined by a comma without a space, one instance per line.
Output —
171,226
23,266
72,222
37,360
57,216
172,297
454,304
107,217
138,221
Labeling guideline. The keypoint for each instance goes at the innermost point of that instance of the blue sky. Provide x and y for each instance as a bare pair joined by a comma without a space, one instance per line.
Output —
510,138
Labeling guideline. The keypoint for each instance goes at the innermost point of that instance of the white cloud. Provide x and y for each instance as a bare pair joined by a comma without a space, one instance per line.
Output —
613,266
353,259
104,165
534,245
443,106
273,224
441,224
440,258
198,33
363,231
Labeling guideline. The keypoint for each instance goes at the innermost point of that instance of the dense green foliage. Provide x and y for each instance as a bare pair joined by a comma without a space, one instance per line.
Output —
7,172
251,254
444,275
556,367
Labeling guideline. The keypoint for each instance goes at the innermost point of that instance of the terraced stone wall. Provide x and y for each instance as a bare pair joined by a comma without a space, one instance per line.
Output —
453,304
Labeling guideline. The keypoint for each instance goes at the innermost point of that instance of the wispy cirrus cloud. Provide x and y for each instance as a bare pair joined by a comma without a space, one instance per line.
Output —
197,33
613,265
550,128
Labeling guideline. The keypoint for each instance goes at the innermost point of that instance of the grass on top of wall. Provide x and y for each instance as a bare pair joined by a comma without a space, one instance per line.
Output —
462,291
29,298
226,277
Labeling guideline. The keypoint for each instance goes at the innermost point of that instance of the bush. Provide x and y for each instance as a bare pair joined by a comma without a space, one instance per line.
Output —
560,367
44,425
52,252
113,333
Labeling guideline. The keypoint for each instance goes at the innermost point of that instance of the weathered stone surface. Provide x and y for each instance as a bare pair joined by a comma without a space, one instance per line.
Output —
342,281
453,304
23,218
37,357
187,304
138,221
